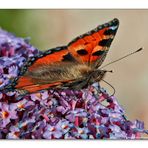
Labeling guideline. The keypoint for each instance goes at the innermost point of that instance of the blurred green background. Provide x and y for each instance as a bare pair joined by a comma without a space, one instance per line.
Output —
51,28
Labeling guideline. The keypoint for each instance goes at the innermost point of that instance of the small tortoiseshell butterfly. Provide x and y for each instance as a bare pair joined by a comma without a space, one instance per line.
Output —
74,66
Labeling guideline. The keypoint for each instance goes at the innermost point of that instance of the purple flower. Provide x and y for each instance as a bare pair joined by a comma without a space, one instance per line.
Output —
38,130
42,97
36,96
117,133
11,45
61,128
14,52
6,113
14,133
13,70
64,126
74,114
81,133
26,122
51,132
22,105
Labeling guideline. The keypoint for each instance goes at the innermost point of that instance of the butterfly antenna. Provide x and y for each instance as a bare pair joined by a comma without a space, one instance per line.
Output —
114,91
122,57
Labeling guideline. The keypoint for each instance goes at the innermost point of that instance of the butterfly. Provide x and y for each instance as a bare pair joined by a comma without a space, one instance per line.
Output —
74,66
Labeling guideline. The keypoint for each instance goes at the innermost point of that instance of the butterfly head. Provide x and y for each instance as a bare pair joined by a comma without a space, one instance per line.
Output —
97,75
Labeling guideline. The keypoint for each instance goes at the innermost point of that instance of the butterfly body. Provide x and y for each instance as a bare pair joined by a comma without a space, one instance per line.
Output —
61,72
74,66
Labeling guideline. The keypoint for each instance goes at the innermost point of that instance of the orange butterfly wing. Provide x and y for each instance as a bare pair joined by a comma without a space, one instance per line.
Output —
49,57
57,54
92,47
88,48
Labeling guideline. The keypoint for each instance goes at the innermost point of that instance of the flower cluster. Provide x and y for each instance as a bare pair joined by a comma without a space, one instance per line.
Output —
13,54
57,114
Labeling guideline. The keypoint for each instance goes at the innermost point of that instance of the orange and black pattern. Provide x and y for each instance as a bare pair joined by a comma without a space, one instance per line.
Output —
89,49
